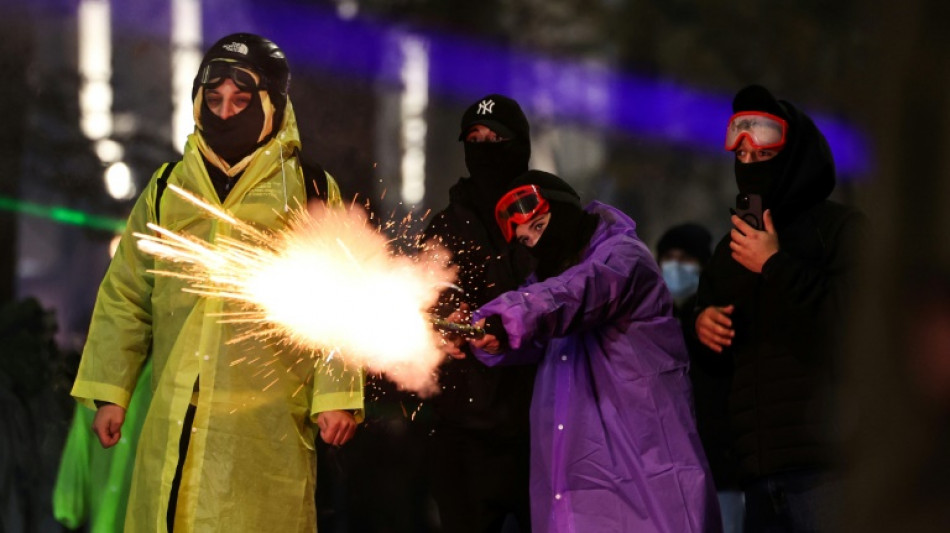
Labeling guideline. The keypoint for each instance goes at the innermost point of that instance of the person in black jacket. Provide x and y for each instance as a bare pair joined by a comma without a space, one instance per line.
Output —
773,302
480,443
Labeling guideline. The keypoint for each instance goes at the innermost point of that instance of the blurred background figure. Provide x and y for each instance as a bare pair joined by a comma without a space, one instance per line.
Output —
34,380
896,414
682,253
92,484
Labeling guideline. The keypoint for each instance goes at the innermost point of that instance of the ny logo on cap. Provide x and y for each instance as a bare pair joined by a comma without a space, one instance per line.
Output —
485,107
239,48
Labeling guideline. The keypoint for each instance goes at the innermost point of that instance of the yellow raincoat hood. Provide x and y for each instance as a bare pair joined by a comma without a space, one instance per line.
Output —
251,464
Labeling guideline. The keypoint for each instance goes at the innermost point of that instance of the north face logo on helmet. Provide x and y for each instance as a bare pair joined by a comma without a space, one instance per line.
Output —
485,107
238,48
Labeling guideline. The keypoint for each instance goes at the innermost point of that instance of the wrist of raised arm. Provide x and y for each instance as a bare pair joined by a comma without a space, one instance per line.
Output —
773,264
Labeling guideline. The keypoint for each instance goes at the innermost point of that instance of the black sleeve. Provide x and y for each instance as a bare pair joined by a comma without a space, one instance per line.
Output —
820,290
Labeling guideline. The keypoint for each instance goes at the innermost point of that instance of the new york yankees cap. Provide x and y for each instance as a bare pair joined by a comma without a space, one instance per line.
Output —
499,113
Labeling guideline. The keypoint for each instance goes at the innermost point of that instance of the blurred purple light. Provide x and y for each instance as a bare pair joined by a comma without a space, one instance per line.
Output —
460,69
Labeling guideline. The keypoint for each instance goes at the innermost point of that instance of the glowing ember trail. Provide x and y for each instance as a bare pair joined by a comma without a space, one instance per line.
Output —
329,282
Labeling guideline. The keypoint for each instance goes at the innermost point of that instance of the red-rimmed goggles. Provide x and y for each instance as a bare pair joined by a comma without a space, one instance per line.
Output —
519,206
764,130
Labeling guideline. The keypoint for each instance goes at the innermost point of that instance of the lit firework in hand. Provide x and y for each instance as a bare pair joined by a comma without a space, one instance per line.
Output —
327,282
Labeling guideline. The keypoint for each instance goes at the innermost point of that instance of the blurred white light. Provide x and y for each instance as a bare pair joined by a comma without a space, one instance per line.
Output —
95,67
109,151
96,125
412,191
347,9
119,181
95,95
412,108
95,38
185,61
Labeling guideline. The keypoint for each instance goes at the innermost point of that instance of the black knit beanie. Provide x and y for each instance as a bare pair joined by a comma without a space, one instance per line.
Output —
693,239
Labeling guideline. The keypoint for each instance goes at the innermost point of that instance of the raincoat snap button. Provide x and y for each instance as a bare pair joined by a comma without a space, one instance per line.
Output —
557,496
560,427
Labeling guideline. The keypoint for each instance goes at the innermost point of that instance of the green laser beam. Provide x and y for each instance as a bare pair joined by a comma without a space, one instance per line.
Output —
62,215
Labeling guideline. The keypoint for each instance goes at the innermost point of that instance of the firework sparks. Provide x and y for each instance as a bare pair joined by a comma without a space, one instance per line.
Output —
328,282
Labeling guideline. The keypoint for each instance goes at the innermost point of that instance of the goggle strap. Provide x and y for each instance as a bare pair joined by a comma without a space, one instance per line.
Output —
560,196
548,194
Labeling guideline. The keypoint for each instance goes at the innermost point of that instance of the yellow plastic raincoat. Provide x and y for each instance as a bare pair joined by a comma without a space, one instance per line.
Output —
251,464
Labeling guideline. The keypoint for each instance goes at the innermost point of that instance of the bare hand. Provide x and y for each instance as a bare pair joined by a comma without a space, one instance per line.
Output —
336,427
107,424
452,344
487,342
751,248
714,327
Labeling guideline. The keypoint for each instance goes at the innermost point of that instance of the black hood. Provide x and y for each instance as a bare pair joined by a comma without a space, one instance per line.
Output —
802,174
807,176
569,229
474,196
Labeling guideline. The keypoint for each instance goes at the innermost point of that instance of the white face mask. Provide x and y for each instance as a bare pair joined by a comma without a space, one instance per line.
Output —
681,278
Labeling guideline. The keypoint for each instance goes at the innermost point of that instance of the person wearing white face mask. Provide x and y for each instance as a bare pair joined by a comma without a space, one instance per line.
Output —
682,252
681,277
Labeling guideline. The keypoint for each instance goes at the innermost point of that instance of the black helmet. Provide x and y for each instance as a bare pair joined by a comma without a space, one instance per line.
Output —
258,53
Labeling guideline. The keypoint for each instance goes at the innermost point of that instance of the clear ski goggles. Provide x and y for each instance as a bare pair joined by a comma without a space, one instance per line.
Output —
215,72
519,206
764,131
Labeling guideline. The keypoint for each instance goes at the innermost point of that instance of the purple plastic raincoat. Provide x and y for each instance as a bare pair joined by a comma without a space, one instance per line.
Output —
613,436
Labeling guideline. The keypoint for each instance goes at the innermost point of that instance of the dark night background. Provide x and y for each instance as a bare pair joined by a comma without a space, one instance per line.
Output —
594,77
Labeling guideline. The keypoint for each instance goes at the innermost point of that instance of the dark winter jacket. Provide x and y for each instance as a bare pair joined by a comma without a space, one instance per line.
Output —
711,377
788,320
474,396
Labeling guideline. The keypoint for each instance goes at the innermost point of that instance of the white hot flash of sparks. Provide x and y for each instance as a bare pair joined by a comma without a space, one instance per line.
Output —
329,282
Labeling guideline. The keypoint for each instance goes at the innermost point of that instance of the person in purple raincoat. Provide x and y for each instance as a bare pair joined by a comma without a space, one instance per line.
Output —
613,434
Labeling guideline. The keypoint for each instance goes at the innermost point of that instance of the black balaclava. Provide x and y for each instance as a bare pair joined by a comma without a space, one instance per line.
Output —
492,166
569,229
234,138
757,178
799,176
268,62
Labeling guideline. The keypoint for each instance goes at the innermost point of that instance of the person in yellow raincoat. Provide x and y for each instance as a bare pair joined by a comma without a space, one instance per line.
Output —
228,441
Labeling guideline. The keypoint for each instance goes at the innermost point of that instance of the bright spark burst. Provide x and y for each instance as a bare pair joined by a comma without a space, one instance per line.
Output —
327,282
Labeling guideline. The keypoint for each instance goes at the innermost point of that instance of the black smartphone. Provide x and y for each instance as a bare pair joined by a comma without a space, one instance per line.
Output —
749,209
